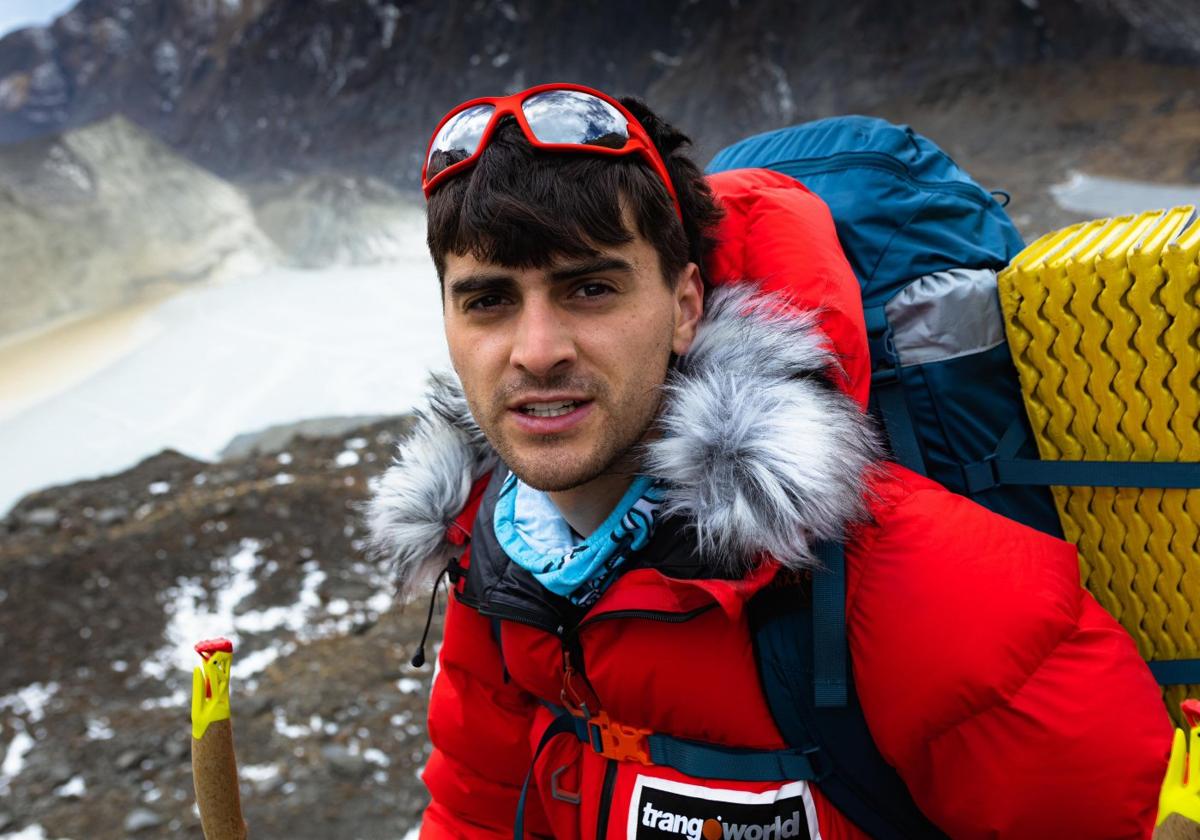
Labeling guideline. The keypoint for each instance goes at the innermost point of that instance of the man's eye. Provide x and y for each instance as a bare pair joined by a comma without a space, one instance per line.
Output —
485,303
591,290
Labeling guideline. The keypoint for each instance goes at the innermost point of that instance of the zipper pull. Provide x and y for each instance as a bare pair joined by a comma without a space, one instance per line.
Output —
571,699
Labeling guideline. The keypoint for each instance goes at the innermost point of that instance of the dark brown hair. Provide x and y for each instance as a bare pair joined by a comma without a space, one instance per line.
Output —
521,207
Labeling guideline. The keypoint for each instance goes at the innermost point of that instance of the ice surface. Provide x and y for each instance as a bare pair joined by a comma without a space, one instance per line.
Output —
1099,196
219,360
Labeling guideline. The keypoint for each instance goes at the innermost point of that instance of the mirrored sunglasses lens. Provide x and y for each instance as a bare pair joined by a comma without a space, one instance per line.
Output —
458,139
569,116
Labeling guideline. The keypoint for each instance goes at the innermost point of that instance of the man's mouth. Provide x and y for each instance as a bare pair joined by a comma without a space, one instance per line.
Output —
556,408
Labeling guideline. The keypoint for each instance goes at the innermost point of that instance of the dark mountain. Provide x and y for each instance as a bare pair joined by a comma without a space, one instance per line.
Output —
253,86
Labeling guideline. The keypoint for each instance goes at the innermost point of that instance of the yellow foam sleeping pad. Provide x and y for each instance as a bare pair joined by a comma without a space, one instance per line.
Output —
1103,320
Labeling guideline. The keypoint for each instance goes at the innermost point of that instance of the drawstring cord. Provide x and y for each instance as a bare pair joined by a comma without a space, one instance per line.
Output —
453,570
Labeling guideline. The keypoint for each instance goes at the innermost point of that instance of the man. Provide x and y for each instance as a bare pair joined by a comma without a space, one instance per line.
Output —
661,414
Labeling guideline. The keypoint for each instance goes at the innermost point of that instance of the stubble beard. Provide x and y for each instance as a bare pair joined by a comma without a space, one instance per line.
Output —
615,449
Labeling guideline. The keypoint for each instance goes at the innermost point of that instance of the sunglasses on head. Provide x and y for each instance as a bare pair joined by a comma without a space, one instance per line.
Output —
555,117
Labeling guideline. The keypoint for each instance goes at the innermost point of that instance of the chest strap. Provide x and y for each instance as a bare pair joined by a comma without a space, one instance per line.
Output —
618,742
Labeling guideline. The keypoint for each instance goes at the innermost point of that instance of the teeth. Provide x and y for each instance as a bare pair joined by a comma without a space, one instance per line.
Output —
550,409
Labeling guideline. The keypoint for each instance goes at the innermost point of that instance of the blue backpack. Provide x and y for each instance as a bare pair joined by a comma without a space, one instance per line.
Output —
925,242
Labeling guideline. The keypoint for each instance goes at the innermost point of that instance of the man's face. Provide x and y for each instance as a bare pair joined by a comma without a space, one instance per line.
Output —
562,365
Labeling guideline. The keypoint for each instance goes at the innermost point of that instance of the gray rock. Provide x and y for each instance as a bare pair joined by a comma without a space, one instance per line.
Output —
343,762
6,820
129,759
111,515
140,819
276,438
43,517
354,591
59,773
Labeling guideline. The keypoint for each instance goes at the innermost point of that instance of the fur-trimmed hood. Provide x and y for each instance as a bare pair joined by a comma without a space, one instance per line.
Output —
765,447
760,451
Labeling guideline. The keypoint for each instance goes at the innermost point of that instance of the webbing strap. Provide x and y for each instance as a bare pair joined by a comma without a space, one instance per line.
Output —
897,420
829,626
887,392
1176,671
560,725
1003,468
1139,474
704,761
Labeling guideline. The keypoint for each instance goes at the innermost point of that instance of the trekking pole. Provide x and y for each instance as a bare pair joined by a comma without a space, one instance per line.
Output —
1179,801
214,765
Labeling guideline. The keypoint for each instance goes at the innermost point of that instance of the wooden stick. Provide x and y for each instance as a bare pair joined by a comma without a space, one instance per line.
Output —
214,772
1177,827
214,764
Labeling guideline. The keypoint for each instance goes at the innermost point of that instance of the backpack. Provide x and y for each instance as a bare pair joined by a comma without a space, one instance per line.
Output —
926,243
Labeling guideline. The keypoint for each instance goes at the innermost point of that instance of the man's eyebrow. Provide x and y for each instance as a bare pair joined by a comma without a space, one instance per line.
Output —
485,282
594,266
480,283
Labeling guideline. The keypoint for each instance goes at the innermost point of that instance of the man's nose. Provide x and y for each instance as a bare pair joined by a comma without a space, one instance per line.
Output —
543,342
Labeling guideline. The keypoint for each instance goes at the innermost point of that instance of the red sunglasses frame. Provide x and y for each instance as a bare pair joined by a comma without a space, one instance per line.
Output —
639,141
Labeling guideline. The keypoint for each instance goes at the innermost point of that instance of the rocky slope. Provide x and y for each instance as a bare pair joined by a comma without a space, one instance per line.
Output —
247,86
92,217
103,586
329,219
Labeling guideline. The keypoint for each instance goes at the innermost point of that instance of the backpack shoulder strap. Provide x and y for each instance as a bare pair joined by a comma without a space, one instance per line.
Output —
860,783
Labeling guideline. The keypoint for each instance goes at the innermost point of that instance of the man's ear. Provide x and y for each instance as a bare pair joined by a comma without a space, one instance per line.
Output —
689,308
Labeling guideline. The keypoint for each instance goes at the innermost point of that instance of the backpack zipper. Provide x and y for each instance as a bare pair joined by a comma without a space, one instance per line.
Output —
879,160
606,795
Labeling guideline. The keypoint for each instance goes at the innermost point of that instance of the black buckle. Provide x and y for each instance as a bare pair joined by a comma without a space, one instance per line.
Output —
980,476
822,766
885,375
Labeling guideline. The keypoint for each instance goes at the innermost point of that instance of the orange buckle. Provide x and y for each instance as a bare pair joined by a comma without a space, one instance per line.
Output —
618,741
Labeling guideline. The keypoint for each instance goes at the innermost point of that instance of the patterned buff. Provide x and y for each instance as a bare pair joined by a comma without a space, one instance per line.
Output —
537,538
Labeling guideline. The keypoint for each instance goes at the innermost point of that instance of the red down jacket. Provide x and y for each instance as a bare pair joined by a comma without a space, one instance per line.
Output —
1009,702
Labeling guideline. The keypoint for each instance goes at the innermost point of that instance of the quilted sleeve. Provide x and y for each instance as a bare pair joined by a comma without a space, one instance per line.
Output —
479,727
1009,701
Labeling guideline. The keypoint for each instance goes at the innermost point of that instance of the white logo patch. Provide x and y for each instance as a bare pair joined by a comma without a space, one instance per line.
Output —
665,810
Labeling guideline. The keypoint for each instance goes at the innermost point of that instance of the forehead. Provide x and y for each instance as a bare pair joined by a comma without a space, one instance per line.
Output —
637,256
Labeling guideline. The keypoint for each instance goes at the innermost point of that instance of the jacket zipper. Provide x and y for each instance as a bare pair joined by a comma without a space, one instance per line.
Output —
559,630
567,638
878,160
522,617
647,615
604,807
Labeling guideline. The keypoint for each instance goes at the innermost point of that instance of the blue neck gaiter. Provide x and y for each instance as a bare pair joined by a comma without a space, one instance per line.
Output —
533,533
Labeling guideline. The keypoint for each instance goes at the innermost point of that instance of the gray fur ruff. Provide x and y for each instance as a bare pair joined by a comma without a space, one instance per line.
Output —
758,450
